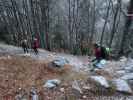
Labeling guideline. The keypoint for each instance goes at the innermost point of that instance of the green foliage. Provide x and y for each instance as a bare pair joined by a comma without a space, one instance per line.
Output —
58,40
76,51
85,51
4,35
79,51
5,38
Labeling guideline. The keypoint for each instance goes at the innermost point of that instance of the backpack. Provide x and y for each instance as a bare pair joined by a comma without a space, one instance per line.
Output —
105,52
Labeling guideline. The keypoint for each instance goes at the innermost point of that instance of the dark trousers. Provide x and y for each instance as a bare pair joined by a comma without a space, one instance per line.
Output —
36,51
25,49
96,60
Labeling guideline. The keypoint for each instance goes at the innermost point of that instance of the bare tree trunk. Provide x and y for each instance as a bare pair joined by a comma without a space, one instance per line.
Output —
106,20
47,24
93,24
114,22
69,25
88,21
18,25
126,28
33,18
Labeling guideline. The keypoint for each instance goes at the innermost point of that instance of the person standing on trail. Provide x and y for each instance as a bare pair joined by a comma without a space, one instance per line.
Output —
24,45
35,45
98,57
101,55
97,53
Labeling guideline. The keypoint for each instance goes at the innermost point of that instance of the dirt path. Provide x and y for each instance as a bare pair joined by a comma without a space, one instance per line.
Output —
78,62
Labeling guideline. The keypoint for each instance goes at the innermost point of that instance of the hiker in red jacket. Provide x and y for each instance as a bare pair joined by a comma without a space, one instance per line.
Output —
97,53
35,45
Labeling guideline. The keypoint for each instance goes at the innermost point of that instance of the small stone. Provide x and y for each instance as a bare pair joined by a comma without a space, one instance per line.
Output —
64,85
123,59
52,83
48,97
62,90
86,87
19,89
84,97
9,57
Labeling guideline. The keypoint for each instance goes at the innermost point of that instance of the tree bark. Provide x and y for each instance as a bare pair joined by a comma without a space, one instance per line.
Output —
126,28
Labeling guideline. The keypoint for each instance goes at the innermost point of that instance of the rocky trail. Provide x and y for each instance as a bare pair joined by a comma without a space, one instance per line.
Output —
76,61
59,76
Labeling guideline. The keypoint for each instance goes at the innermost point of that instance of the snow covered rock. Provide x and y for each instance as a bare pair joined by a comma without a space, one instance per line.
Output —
60,62
52,83
49,85
101,80
122,86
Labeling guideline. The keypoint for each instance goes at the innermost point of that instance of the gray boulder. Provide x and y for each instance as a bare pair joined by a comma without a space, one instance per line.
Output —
122,86
76,86
60,62
128,76
52,83
101,80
